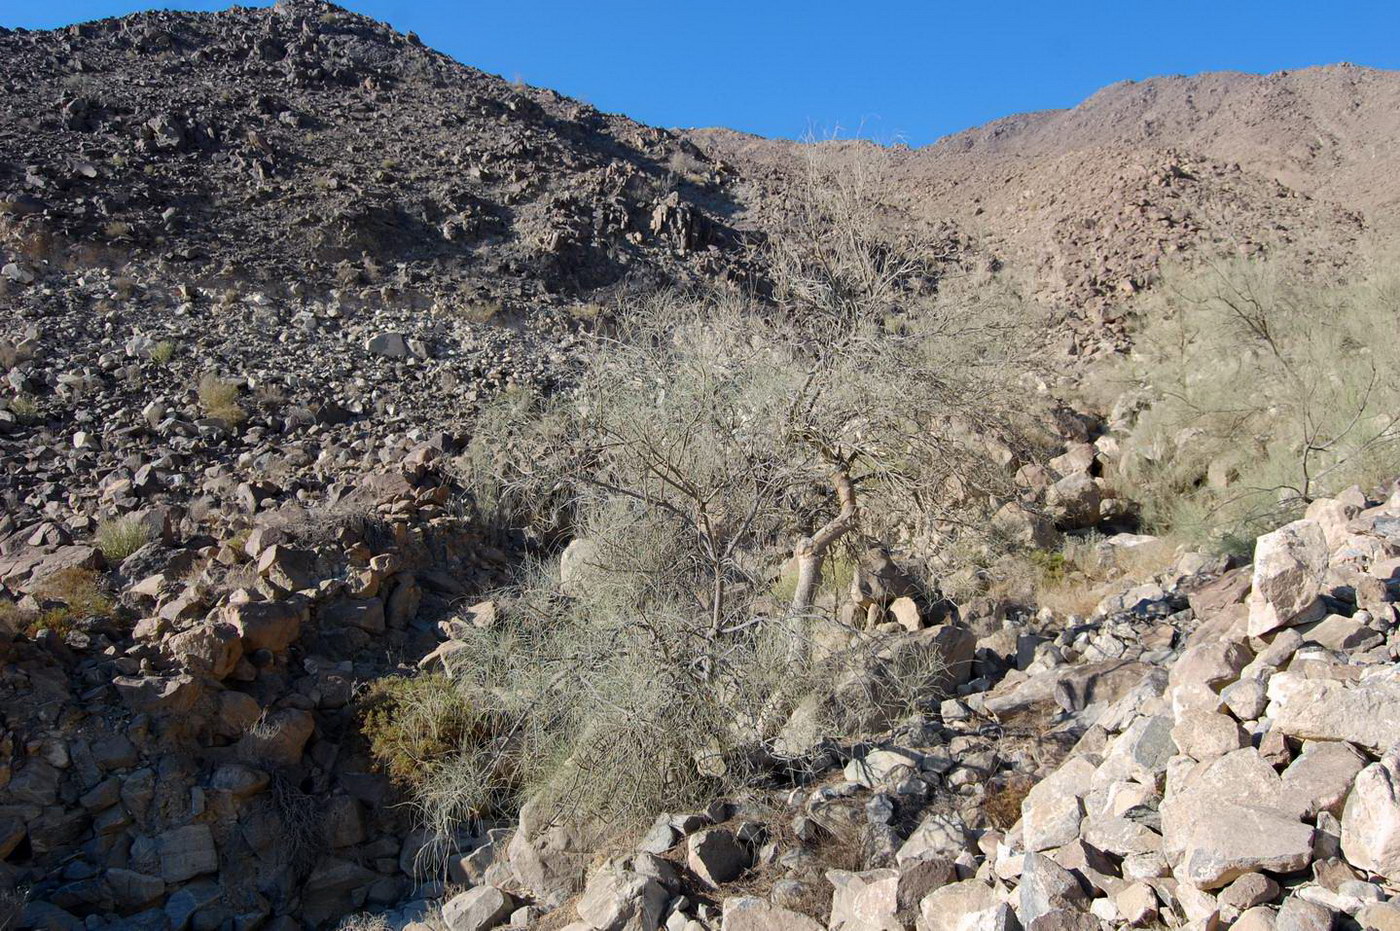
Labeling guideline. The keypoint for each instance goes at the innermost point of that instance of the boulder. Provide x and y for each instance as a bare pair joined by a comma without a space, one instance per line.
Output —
1073,501
1371,819
1365,713
616,899
1053,809
1205,735
476,909
1320,777
716,856
1233,816
878,766
548,855
213,649
970,905
187,852
1290,565
1046,886
278,739
866,901
746,913
267,625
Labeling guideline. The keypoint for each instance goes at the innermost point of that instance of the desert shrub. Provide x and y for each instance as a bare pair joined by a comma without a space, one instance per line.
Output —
79,594
1267,392
119,537
219,399
163,352
24,407
703,442
413,723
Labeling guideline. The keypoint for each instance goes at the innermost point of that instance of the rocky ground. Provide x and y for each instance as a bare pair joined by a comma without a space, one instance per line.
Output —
257,271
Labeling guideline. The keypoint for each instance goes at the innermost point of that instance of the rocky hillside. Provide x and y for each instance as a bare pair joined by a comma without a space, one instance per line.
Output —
261,269
1087,202
305,145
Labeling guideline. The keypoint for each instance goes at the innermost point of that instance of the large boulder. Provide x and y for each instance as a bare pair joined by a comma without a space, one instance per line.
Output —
1232,816
1371,819
1290,565
1365,712
745,913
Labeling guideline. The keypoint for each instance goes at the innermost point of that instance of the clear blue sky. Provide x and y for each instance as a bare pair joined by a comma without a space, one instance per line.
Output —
904,69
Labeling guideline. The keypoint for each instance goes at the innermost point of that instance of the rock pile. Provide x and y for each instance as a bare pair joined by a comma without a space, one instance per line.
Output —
200,765
1220,751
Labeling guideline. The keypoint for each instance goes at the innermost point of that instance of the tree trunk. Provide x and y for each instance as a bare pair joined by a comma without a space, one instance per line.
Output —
810,552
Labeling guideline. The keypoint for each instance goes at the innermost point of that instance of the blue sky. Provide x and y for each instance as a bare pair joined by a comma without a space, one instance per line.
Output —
901,69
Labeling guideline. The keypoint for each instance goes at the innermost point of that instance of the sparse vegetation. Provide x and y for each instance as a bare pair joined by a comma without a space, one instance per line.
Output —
1215,462
66,596
220,400
163,352
25,408
119,537
412,724
707,442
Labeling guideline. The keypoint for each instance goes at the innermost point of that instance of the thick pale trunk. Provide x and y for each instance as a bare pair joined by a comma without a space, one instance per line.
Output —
810,552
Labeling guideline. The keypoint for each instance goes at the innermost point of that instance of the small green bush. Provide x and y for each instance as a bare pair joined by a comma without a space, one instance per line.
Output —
163,352
219,399
413,724
119,537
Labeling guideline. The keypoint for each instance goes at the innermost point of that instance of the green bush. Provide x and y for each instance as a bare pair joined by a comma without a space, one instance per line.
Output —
1265,392
119,537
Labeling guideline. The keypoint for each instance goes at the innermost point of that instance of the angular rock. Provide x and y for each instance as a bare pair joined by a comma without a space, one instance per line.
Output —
187,852
1371,819
1290,565
866,901
1365,713
622,900
1052,810
970,905
716,856
752,914
477,909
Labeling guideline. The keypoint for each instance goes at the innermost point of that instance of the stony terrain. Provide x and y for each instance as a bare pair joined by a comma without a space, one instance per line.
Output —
258,269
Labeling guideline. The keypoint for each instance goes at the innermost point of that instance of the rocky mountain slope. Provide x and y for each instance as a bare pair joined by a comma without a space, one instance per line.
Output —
258,268
304,144
1087,202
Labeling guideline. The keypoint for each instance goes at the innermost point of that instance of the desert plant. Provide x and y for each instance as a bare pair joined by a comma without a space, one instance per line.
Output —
163,352
1268,392
119,537
78,593
24,407
219,399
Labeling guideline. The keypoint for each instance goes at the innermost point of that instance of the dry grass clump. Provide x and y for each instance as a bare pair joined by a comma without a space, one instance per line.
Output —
219,399
25,408
79,595
1072,580
163,352
412,724
119,537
